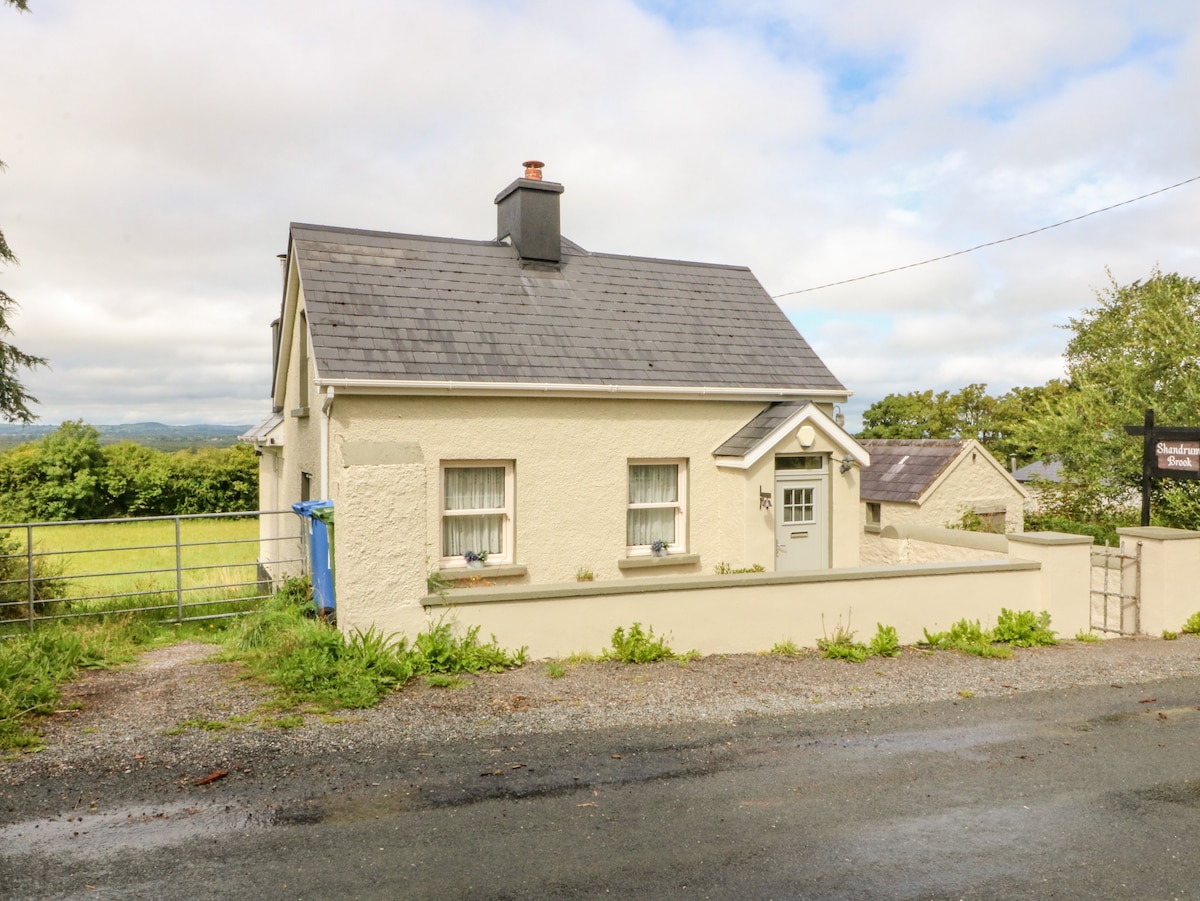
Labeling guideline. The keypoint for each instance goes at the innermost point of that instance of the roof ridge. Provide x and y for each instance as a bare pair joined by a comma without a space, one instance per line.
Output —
476,242
342,230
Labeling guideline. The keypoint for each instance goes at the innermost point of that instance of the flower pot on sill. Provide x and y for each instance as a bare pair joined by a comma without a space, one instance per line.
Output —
474,564
661,552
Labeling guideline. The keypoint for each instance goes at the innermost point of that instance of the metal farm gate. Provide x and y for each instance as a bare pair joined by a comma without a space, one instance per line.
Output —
1116,589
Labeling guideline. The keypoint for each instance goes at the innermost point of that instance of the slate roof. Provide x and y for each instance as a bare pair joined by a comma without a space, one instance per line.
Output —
1050,472
385,306
758,428
262,431
901,471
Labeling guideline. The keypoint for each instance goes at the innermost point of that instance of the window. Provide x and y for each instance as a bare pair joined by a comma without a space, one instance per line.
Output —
477,510
656,506
799,506
993,521
874,515
807,463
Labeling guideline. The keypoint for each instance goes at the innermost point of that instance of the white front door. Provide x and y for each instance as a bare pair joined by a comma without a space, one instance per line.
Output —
801,514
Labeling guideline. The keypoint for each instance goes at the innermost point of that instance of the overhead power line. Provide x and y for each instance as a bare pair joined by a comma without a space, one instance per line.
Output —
958,253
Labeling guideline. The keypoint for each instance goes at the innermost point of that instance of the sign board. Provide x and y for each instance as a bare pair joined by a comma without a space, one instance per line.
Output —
1177,457
1168,452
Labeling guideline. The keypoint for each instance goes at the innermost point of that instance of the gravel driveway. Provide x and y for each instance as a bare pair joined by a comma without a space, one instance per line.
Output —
176,710
177,779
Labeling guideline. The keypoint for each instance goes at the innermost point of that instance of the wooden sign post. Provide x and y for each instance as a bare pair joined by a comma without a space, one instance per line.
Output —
1168,452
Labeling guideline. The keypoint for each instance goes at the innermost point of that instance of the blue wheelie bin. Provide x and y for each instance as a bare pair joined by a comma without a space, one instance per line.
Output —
318,530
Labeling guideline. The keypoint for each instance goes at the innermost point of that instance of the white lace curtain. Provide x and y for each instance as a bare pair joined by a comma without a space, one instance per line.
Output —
475,489
657,484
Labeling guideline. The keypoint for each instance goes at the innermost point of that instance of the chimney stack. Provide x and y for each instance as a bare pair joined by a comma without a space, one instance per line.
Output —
527,212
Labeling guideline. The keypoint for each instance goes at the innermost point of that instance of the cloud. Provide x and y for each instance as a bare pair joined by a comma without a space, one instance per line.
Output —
157,154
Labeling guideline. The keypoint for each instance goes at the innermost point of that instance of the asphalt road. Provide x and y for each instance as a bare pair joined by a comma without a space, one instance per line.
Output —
1082,793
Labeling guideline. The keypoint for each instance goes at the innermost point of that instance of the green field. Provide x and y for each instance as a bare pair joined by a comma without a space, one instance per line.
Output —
137,564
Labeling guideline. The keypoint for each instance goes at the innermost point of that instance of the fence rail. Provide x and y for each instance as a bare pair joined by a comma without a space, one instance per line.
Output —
169,568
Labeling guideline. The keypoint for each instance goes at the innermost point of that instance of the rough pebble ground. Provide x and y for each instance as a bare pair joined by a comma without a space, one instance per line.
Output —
138,715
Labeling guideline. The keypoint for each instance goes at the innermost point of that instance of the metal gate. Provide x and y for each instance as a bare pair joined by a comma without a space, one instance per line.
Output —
1116,589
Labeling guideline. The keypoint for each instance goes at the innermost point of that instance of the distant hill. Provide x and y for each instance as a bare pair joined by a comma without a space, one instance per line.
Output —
148,434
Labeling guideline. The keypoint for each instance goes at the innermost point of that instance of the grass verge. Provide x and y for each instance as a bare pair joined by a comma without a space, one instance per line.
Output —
312,663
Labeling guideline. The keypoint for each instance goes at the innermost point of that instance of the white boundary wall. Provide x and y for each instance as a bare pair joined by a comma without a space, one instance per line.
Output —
752,612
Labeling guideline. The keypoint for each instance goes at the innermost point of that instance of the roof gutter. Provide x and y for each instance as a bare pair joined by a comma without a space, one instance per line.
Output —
534,389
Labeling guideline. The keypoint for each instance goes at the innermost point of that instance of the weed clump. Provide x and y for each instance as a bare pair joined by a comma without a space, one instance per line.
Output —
886,642
787,648
439,651
1024,630
968,637
312,662
842,646
1192,626
727,569
637,646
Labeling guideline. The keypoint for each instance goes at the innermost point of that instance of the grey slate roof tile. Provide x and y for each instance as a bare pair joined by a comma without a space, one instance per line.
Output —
438,308
758,428
902,470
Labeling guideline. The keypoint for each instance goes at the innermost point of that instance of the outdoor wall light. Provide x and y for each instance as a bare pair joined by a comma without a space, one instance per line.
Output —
839,417
847,464
764,499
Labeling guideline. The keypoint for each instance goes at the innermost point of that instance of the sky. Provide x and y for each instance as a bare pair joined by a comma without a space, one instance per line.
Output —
157,152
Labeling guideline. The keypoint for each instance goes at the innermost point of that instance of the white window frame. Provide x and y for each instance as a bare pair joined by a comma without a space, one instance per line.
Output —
807,507
456,560
680,544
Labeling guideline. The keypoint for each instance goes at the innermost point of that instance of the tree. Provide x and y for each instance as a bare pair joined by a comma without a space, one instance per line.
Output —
133,480
968,413
1013,418
70,466
14,399
1001,424
69,475
211,480
912,415
1138,348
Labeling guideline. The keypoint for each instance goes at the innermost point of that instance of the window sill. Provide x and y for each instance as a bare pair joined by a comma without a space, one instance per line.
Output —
488,570
872,528
651,562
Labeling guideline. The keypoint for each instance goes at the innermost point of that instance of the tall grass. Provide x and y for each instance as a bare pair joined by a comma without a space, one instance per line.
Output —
310,662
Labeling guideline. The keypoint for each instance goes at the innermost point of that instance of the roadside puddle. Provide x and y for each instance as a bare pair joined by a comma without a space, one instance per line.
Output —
131,828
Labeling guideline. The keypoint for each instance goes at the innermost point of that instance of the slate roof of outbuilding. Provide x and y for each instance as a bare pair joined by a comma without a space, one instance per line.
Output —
902,470
1049,472
384,306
